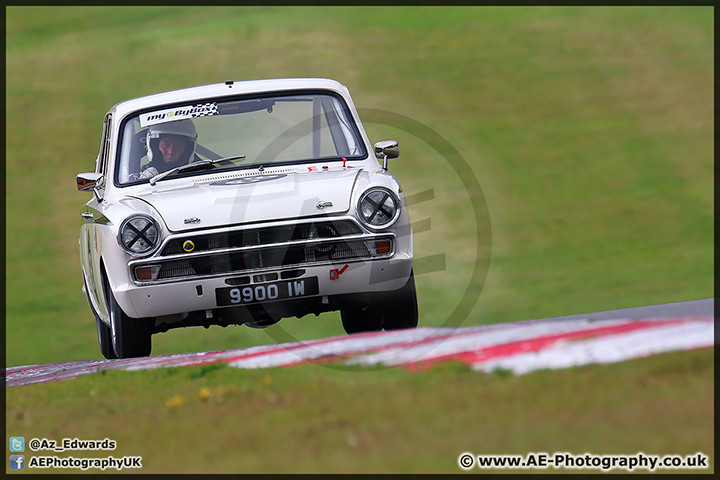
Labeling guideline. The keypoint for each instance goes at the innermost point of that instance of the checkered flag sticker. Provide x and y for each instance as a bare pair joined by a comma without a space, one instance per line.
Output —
178,113
205,110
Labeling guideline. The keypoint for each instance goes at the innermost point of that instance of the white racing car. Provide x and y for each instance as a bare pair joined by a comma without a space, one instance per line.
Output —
242,203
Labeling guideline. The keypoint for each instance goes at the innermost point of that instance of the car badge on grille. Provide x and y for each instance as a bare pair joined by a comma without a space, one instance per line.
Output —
192,220
188,246
321,204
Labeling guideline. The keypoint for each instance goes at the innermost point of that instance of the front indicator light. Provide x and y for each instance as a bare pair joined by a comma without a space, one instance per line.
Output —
379,247
147,273
383,246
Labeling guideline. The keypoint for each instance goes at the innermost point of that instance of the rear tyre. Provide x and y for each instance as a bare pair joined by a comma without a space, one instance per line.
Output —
401,310
131,337
357,320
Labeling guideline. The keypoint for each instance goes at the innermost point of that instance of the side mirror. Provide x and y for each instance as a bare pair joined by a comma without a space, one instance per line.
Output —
385,150
87,181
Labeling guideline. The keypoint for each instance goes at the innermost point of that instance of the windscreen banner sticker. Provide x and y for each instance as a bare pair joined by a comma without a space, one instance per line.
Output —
178,113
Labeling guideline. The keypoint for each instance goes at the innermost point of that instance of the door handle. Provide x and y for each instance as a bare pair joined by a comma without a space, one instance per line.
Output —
87,215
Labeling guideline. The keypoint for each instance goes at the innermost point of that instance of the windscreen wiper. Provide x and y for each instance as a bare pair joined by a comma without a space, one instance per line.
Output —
192,166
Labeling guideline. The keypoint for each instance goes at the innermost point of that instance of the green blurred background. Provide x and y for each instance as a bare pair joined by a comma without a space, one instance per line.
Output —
590,130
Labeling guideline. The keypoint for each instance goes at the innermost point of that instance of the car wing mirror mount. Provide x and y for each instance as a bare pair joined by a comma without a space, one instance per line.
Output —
385,150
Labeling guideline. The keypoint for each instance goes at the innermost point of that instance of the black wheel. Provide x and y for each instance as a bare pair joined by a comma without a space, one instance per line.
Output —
105,339
356,320
131,337
103,331
401,309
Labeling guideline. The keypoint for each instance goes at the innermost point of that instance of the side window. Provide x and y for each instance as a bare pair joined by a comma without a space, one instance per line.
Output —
102,161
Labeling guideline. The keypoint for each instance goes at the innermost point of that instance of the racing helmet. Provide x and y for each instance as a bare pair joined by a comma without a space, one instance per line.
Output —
183,128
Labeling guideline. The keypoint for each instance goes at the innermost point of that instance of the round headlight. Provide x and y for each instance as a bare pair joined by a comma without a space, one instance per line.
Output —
378,207
139,234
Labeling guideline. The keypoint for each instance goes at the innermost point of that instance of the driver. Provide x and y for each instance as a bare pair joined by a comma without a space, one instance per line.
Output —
169,145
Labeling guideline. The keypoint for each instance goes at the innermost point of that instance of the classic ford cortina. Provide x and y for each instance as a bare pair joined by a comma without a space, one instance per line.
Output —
242,203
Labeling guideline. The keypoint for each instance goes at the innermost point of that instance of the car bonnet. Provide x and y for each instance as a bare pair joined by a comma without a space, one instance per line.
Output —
219,201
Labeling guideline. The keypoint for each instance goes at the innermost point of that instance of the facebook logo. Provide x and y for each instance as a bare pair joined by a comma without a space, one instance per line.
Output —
17,462
17,444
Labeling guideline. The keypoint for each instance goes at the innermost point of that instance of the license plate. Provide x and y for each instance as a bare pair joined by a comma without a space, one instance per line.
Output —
266,292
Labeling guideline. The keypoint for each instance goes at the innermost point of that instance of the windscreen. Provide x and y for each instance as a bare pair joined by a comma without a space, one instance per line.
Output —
277,130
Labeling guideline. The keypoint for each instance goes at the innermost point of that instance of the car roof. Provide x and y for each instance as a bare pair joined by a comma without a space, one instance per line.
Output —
230,87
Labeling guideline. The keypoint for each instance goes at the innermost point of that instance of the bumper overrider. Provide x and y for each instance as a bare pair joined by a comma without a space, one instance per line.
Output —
266,272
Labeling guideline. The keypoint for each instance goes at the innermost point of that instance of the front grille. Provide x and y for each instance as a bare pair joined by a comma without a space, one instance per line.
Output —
246,250
263,236
269,257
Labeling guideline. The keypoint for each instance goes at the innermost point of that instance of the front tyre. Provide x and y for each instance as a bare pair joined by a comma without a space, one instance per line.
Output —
358,320
103,331
401,310
131,337
105,340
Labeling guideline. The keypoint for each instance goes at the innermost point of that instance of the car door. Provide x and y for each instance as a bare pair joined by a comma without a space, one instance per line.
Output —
93,217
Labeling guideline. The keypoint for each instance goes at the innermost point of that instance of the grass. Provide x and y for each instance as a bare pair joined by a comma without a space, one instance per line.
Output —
590,131
374,421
